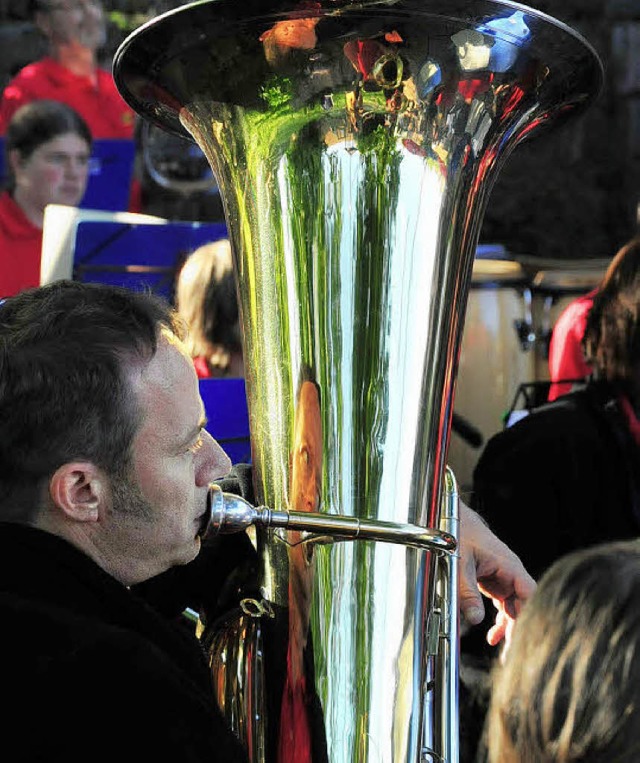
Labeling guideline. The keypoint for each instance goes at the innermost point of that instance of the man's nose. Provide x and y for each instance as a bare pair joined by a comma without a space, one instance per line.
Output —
215,462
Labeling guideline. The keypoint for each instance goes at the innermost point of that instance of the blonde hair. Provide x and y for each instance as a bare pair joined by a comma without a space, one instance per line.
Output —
206,301
569,688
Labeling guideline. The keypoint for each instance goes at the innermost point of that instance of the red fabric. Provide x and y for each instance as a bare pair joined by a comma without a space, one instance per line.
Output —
135,196
566,359
294,743
20,249
202,367
100,104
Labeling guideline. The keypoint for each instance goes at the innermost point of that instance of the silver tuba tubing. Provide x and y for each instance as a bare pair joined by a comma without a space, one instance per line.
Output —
354,143
230,513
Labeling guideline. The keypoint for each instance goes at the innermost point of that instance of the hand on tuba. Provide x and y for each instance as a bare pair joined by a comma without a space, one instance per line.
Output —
488,567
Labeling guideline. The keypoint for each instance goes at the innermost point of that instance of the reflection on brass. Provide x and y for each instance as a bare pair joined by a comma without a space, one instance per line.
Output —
355,145
305,492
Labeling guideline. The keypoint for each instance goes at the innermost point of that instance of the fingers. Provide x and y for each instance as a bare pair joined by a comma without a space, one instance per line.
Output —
498,630
507,581
471,602
488,567
501,630
509,589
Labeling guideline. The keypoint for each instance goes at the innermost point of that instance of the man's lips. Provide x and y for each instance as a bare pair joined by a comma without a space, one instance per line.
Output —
205,520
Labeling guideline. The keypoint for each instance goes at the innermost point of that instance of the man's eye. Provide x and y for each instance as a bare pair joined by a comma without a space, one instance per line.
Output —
196,445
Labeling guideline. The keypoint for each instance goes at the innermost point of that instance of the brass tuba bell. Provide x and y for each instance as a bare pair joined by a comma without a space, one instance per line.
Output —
355,143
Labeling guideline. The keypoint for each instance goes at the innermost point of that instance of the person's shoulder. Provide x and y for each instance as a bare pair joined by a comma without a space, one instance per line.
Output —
104,75
545,428
566,406
34,81
68,631
32,72
98,672
575,311
7,205
45,644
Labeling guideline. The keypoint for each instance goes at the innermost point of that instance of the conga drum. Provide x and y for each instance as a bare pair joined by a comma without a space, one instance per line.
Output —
497,355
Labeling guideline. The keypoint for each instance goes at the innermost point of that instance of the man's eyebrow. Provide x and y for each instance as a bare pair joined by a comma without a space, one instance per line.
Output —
202,423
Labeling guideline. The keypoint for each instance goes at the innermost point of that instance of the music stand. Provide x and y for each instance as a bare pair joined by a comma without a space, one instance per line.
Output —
139,252
225,404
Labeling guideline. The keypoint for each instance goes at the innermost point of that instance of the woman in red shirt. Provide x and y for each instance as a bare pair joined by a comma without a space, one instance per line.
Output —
47,148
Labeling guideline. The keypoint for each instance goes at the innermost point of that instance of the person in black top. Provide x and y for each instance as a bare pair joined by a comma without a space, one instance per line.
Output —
568,475
104,470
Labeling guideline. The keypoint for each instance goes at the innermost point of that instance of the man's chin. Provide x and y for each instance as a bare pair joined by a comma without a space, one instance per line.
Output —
191,555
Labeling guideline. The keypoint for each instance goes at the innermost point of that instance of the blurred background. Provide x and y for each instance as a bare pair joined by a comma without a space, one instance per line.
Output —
573,194
561,208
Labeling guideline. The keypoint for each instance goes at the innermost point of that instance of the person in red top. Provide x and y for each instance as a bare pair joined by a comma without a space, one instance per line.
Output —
75,30
566,356
47,151
567,361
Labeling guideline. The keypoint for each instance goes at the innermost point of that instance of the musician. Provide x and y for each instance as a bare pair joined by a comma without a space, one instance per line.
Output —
47,154
75,30
104,468
571,466
568,688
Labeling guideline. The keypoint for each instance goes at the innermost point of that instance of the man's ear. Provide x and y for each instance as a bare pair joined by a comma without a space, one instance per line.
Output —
78,489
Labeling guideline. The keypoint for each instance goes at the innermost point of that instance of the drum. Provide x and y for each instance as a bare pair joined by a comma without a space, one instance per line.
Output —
512,309
497,355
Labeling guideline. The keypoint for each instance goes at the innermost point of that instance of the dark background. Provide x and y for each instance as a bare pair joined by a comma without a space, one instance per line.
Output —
570,194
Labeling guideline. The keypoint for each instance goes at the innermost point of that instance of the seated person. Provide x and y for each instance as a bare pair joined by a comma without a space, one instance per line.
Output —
567,363
206,300
75,31
568,690
542,482
47,158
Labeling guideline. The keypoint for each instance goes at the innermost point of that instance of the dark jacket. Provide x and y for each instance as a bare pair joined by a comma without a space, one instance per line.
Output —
91,671
565,477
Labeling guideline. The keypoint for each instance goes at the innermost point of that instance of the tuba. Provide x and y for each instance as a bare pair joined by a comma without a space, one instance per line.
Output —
355,143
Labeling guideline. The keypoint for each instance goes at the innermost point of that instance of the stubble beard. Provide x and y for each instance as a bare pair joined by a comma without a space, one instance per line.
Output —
127,497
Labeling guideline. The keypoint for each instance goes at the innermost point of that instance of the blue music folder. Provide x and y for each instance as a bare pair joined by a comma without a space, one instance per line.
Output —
110,175
225,405
138,256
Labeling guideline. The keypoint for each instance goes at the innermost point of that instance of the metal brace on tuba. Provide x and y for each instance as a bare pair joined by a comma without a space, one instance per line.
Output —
355,144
